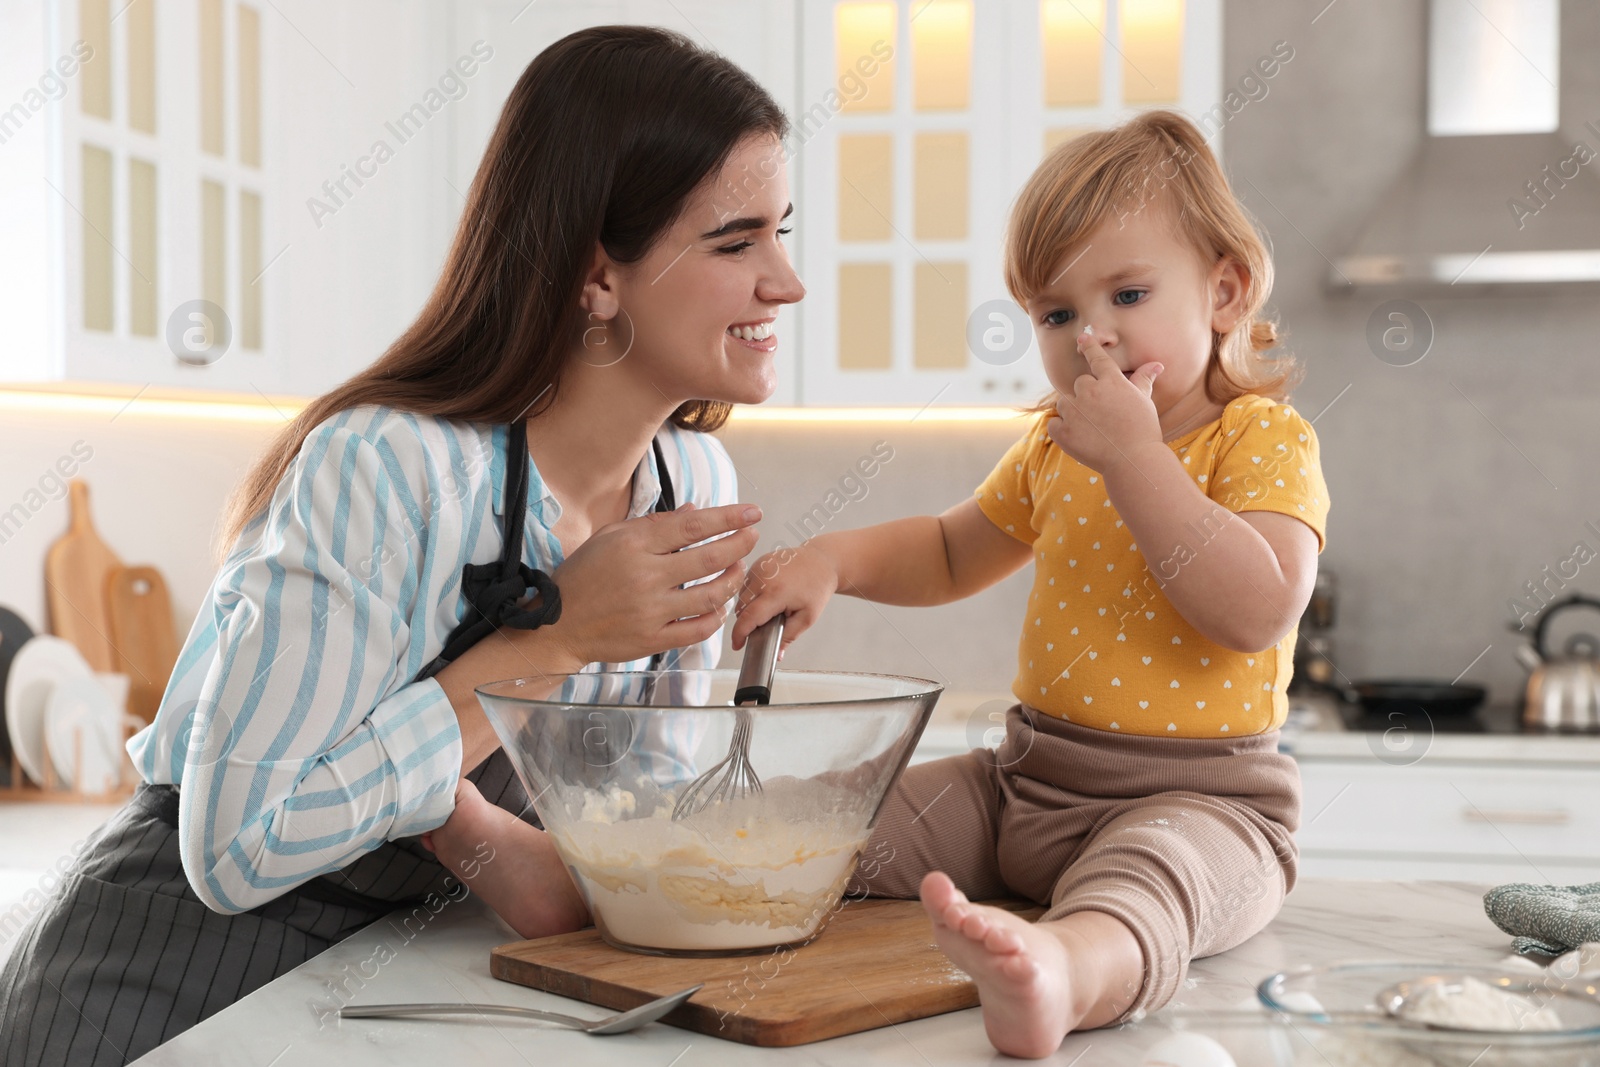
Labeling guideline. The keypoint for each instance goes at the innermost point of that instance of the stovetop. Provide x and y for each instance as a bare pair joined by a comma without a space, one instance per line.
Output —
1487,719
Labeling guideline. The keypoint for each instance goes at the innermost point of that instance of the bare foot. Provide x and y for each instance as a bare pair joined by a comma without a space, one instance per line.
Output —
1036,982
511,865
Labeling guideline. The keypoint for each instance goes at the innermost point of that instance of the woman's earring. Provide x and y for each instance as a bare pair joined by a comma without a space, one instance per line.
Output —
598,340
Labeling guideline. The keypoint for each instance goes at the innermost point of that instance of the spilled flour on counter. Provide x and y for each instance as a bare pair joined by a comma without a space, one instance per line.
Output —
757,872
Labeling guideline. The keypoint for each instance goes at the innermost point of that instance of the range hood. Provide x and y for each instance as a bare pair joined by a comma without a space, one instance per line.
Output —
1475,209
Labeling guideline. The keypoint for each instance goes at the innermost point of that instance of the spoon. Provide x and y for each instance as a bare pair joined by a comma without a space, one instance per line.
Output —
620,1023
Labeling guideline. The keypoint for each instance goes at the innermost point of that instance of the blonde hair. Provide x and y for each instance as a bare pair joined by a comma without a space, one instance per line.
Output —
1097,176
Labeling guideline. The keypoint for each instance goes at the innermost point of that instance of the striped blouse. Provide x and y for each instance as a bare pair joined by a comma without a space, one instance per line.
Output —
290,720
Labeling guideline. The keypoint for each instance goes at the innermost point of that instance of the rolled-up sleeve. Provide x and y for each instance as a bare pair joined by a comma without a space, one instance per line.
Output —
309,746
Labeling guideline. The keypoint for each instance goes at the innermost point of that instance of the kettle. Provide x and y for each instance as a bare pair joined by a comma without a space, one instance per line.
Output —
1564,691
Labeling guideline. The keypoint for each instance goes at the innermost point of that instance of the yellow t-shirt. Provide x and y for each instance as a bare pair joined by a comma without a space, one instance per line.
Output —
1102,646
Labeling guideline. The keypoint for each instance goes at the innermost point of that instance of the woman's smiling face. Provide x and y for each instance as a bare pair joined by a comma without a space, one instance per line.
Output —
1150,296
720,271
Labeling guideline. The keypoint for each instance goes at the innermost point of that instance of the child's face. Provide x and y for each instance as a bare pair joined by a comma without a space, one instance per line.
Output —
1150,297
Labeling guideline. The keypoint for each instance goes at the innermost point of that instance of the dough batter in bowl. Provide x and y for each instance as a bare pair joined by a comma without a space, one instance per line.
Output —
741,876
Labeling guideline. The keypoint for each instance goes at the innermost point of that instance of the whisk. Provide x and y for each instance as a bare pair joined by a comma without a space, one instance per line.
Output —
733,777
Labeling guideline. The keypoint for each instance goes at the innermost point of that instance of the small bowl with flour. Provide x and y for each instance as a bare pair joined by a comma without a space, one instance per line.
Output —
1405,1014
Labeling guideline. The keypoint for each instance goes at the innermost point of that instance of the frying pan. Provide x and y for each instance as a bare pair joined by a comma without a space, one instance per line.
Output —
1439,700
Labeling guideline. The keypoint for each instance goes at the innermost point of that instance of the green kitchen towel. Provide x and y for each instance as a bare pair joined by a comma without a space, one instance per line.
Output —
1548,919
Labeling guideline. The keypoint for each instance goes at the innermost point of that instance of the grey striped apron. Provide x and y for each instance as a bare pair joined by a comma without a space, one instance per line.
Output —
125,956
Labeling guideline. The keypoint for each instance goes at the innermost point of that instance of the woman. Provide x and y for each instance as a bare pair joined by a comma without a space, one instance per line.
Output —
514,458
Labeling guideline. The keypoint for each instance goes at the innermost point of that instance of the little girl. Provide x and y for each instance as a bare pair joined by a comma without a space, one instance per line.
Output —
1173,508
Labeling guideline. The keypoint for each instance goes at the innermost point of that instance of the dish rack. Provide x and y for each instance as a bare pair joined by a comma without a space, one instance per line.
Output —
54,791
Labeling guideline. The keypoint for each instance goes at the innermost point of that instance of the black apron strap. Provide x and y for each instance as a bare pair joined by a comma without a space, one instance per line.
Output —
492,590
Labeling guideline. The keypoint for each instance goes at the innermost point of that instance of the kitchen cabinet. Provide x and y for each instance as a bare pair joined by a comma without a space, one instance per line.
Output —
297,167
918,122
1488,819
287,176
225,194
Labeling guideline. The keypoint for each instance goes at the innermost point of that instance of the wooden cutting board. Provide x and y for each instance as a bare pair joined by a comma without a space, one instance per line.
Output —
875,964
75,571
142,635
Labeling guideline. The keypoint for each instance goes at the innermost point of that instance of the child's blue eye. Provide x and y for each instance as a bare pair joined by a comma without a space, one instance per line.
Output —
1128,292
1059,317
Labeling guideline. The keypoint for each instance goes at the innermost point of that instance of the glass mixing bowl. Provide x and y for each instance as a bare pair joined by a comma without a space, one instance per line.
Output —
605,756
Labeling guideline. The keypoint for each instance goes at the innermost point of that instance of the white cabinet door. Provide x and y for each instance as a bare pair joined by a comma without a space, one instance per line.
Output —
1529,822
237,196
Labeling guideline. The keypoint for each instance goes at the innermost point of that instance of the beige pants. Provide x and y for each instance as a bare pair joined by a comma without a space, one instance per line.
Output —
1188,841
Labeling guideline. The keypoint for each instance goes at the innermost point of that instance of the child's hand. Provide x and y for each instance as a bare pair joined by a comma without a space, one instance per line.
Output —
796,582
1109,415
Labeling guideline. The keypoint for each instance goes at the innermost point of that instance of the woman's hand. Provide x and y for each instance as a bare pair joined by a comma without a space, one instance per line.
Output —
620,595
796,582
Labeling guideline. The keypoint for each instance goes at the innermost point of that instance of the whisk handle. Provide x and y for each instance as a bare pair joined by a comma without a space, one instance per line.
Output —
760,662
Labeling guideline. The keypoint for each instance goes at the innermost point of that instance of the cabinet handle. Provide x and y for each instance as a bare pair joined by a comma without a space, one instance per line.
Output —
1545,817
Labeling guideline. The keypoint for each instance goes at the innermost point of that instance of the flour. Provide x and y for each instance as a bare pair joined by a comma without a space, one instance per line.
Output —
1478,1005
755,873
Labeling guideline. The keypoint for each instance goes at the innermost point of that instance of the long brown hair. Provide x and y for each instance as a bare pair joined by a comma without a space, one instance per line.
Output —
1157,160
605,136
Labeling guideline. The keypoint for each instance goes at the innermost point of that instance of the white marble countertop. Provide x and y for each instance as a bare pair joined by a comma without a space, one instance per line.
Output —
290,1020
